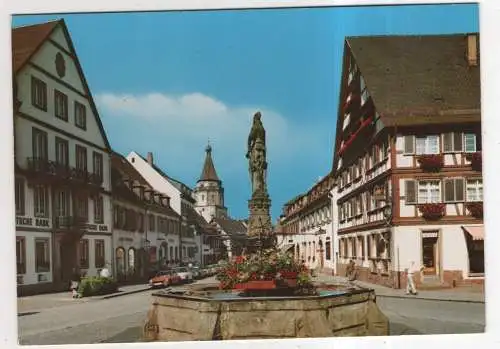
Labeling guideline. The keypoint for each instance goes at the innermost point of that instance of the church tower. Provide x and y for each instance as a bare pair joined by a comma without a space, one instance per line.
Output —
209,193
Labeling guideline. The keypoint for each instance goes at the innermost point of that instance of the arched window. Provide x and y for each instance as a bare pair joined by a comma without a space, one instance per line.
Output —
120,261
131,260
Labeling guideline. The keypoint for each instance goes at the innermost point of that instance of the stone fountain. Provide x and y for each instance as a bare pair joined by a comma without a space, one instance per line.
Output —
210,313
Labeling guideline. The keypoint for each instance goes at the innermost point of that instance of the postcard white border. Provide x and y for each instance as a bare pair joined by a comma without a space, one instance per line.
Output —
490,75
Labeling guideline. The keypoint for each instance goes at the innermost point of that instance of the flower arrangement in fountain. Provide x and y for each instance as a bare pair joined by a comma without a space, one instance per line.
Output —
431,162
269,265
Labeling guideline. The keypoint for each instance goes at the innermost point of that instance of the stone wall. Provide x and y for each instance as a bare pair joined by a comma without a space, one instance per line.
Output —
180,318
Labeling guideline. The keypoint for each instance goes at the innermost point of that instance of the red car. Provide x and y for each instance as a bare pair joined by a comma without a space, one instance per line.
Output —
164,278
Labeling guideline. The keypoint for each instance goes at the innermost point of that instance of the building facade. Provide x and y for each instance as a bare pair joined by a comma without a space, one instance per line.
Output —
408,160
146,230
62,164
181,201
306,226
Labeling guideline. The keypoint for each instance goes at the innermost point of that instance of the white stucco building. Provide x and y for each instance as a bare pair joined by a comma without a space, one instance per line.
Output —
181,201
146,230
62,187
306,226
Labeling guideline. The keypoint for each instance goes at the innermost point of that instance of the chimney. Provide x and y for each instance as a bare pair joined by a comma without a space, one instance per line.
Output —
472,50
150,159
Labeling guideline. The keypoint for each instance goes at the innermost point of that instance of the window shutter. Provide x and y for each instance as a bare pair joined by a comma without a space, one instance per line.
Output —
470,142
459,189
449,190
410,191
458,141
448,142
409,146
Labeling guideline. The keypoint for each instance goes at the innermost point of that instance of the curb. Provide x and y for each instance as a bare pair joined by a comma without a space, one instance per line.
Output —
126,293
430,299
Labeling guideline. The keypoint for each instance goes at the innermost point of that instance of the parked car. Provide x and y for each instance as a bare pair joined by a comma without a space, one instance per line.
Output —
185,274
196,272
164,278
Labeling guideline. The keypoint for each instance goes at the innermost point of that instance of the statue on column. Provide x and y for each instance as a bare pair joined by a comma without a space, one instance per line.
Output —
259,220
257,156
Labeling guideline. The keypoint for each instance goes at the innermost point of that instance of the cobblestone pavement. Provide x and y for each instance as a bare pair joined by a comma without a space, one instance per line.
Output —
120,319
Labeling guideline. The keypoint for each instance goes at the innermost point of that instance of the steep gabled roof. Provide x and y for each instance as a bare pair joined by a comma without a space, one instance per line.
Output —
27,40
208,173
122,170
176,183
417,75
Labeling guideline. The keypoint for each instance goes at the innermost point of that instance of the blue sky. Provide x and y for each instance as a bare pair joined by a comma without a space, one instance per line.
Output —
167,82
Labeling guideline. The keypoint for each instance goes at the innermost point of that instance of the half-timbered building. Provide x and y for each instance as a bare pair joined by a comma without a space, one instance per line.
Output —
408,159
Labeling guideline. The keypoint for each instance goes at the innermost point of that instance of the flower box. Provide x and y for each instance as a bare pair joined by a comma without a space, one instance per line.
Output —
432,211
476,160
431,162
475,209
256,285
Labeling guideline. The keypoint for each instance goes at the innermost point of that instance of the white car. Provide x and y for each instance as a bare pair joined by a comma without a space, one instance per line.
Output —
184,274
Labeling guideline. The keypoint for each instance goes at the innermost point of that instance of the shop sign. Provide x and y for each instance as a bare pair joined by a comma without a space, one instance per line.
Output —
37,222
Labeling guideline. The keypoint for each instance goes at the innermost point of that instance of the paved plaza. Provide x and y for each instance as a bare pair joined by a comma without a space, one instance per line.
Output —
58,319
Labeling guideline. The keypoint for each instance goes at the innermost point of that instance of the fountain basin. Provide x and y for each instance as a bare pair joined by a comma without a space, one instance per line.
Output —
210,314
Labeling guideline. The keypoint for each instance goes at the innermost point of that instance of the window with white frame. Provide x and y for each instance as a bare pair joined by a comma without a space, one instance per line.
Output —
429,192
41,201
427,145
474,190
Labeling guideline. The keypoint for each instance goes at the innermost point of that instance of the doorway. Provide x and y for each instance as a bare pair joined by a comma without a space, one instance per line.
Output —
430,253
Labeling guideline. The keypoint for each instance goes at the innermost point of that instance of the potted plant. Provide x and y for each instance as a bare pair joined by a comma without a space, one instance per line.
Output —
476,160
475,209
432,211
431,162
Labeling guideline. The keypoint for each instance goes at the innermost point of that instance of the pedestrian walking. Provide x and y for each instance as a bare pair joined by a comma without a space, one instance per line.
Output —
74,284
410,281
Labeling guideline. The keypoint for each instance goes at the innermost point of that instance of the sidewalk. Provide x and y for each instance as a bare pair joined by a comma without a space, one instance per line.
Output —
449,295
37,303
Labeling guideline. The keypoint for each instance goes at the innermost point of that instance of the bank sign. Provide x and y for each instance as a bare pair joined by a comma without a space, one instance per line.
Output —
45,223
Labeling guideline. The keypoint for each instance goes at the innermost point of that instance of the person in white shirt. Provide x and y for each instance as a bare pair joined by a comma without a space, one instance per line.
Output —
410,283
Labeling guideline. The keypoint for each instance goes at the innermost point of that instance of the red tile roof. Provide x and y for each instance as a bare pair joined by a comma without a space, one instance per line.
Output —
27,40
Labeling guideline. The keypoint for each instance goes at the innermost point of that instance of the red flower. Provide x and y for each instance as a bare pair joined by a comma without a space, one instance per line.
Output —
239,259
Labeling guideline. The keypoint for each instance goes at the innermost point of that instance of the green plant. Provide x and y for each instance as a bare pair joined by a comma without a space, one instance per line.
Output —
96,285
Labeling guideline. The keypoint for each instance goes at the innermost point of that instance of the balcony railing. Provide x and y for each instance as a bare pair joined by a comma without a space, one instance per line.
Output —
42,166
70,222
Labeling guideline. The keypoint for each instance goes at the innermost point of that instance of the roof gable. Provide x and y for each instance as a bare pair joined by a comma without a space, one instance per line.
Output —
417,75
27,44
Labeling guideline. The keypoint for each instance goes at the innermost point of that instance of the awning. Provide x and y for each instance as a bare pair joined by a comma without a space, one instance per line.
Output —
476,231
287,247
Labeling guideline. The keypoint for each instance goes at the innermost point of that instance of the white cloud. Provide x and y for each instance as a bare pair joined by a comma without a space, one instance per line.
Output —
176,128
